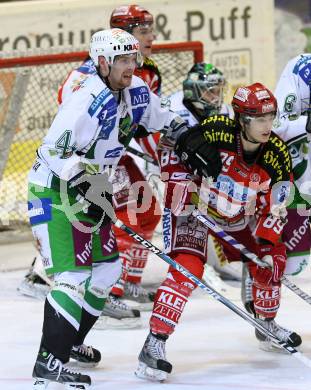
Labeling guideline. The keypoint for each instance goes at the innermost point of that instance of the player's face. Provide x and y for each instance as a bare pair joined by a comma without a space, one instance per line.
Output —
259,128
213,95
122,70
145,35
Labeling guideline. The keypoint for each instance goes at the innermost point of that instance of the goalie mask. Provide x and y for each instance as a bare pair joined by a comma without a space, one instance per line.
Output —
113,43
203,90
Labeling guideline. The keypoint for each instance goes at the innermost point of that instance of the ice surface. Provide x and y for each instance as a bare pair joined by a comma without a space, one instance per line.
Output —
212,348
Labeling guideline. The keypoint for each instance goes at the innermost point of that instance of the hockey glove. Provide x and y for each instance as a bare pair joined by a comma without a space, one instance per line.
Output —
198,155
275,256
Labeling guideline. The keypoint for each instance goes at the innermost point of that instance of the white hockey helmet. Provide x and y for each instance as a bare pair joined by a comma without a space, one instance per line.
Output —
111,43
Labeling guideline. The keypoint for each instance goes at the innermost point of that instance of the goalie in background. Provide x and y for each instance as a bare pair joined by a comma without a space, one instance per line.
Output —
202,96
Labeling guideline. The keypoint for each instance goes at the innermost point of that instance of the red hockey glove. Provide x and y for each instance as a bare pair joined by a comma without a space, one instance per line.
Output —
275,256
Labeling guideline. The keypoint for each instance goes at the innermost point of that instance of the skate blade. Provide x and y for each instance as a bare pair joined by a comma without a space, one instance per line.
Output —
76,363
141,306
77,386
33,291
147,306
151,374
269,346
40,384
217,285
105,322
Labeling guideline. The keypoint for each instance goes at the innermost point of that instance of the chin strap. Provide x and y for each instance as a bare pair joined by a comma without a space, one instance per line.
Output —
244,135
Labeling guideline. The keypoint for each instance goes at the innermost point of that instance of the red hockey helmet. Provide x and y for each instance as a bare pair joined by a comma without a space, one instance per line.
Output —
254,100
127,17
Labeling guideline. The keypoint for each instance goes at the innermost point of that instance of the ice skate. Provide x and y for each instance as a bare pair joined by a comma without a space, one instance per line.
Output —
283,334
36,283
211,277
34,286
85,356
246,290
135,292
118,315
152,360
50,369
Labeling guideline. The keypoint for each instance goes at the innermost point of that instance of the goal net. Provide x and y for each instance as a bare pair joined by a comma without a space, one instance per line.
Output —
28,104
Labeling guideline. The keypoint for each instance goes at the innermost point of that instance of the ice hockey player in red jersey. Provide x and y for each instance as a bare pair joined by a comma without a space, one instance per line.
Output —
251,168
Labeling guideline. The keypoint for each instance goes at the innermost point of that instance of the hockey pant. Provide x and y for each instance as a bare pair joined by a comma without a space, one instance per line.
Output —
73,306
132,254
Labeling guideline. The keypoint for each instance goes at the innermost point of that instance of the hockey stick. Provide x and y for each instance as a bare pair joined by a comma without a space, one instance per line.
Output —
212,225
204,286
142,155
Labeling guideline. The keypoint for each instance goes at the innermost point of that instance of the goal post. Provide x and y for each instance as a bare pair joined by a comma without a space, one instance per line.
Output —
28,104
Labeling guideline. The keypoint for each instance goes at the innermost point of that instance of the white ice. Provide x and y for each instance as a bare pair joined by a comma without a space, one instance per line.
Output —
212,348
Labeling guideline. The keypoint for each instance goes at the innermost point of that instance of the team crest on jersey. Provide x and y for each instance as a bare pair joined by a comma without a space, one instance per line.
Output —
126,130
78,83
254,177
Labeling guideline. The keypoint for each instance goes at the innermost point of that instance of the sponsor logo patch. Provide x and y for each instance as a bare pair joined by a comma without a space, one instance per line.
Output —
139,95
98,101
40,210
268,108
263,94
113,153
242,94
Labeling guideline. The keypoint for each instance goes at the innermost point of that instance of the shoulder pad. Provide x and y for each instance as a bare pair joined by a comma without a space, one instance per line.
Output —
150,62
219,129
277,159
219,119
137,82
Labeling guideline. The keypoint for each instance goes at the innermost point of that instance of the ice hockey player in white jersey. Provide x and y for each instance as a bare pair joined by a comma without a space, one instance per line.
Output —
202,96
117,314
293,96
70,194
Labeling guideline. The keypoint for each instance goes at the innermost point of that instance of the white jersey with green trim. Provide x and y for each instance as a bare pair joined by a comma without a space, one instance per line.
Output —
92,129
293,95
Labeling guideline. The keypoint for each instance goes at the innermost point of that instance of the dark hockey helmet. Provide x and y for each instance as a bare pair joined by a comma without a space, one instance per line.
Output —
254,100
127,17
204,89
